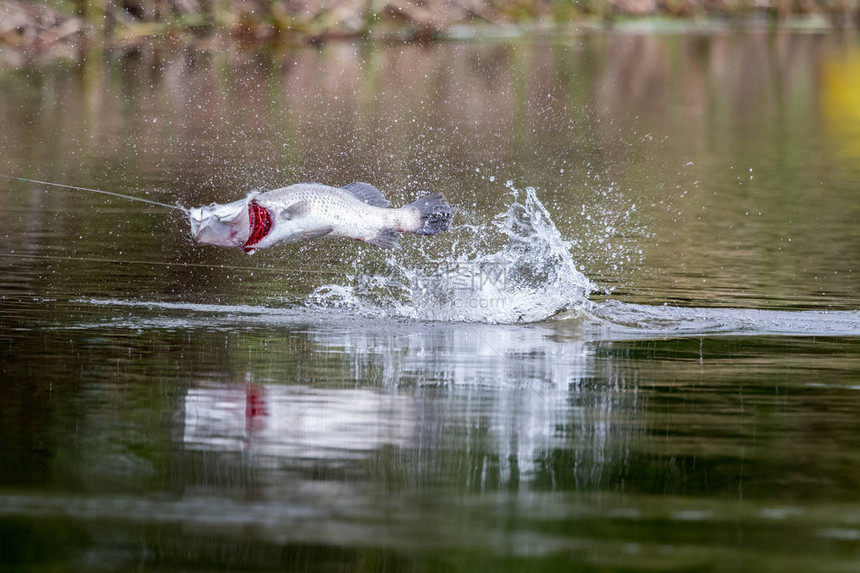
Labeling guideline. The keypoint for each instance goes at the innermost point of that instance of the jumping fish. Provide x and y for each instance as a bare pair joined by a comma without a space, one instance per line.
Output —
306,211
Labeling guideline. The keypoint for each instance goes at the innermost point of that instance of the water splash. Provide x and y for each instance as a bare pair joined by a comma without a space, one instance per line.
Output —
514,268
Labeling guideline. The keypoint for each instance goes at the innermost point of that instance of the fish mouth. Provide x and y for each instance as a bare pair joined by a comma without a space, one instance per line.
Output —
260,220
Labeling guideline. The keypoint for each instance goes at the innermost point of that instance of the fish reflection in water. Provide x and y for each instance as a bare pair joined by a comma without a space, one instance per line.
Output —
295,421
510,395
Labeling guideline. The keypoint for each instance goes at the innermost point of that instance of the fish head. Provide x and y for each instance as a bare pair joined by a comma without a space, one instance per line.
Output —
222,225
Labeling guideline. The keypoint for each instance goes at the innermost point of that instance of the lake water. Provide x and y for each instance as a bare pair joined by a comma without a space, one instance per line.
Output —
637,349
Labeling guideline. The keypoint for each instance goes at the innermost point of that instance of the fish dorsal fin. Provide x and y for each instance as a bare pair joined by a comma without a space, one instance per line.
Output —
367,193
296,210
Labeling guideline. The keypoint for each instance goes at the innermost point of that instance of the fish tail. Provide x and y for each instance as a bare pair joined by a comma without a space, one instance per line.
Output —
435,213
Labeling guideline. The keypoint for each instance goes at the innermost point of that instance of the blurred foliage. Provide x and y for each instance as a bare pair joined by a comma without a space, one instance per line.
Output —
840,101
38,25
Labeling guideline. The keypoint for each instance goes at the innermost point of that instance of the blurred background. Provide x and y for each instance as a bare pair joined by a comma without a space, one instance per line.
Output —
38,25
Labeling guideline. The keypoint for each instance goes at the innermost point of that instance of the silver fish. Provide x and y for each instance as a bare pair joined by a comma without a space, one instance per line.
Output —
311,210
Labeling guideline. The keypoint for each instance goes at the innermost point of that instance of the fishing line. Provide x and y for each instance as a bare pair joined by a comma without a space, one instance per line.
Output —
111,193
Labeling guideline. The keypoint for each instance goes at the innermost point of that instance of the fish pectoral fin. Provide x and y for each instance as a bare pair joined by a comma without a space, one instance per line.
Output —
296,210
315,233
